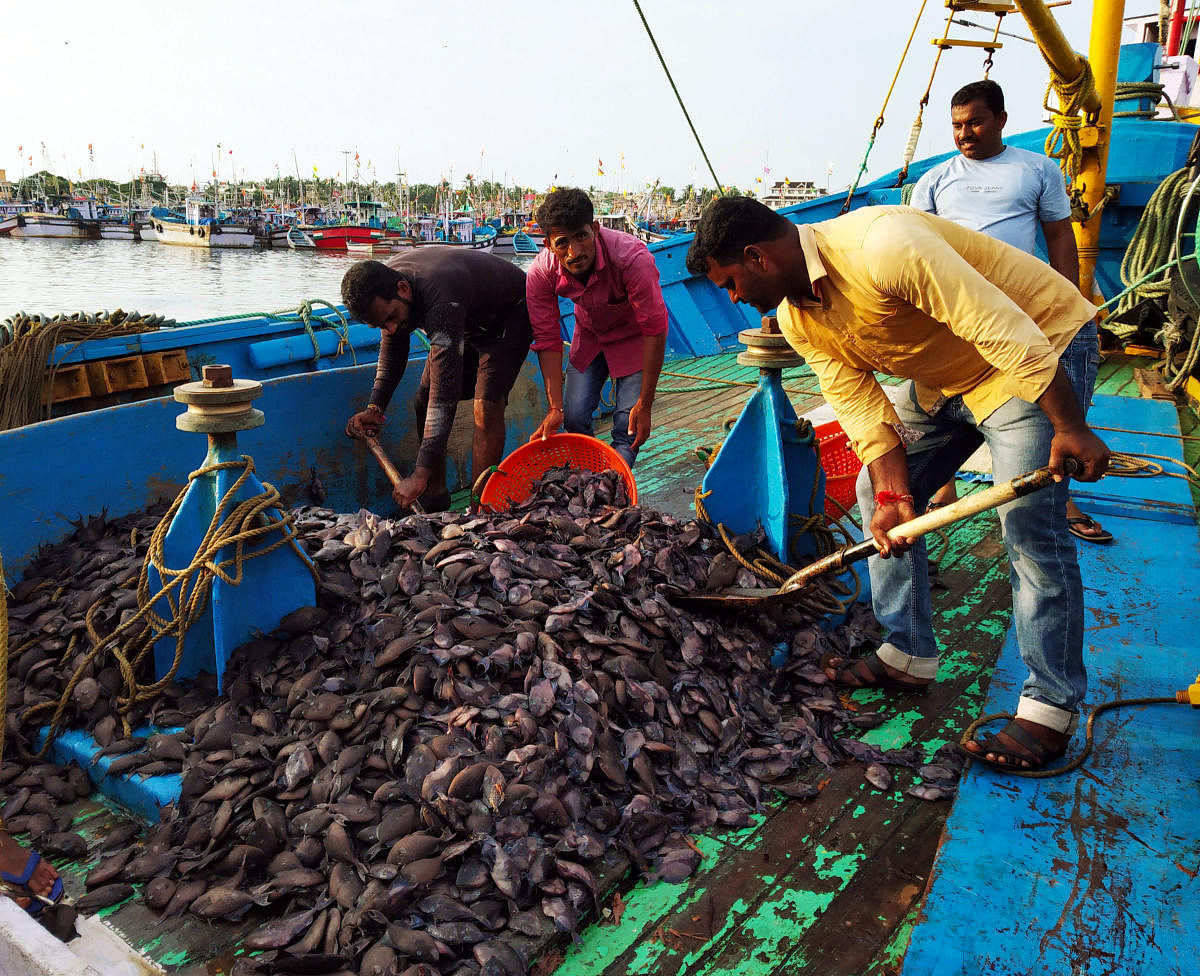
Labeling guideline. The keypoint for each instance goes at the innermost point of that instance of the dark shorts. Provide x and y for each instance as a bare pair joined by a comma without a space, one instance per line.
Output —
491,365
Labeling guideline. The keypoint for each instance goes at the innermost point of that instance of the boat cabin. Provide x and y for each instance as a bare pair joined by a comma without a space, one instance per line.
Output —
197,211
452,230
365,213
613,221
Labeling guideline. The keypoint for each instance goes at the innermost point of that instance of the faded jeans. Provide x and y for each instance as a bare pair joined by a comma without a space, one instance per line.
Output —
1044,573
582,395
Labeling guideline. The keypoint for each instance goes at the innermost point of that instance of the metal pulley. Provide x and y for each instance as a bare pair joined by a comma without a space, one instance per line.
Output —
219,404
767,348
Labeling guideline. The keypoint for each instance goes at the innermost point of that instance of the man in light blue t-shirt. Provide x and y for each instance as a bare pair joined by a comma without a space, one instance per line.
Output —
1005,192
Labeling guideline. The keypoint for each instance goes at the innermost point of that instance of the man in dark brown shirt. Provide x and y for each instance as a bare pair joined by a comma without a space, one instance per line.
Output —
471,306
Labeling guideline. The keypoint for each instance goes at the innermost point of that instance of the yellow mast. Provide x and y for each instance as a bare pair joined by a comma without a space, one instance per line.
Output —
1103,52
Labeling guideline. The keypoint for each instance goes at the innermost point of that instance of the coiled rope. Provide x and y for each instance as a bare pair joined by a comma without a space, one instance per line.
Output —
187,591
824,531
27,355
1067,119
305,314
1155,248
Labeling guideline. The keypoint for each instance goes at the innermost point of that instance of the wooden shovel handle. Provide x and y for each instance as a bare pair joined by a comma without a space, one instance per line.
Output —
980,501
389,469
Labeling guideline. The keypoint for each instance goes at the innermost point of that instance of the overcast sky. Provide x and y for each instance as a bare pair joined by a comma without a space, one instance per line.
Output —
528,91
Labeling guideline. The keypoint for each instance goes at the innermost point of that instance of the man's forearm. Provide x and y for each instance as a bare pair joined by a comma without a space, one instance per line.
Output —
653,349
550,361
1060,404
387,376
1062,252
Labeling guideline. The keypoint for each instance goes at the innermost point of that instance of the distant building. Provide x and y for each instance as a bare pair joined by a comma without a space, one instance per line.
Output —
788,192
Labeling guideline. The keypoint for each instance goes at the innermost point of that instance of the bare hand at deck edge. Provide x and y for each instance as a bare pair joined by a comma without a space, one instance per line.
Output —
1073,439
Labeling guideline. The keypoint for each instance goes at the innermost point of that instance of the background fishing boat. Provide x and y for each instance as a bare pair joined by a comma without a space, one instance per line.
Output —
199,226
78,219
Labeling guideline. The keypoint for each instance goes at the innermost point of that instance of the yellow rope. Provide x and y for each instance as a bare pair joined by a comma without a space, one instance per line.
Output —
1122,465
766,566
27,363
1063,141
186,590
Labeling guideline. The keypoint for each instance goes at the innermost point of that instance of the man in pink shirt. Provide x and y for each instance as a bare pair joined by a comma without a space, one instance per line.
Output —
620,321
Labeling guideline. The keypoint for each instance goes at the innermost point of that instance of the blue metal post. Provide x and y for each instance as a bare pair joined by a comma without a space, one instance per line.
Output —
768,471
271,585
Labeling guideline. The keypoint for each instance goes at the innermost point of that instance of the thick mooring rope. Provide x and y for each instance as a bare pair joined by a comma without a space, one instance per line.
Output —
186,590
27,363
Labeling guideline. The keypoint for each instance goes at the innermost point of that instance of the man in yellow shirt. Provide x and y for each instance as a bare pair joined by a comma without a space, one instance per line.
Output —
988,338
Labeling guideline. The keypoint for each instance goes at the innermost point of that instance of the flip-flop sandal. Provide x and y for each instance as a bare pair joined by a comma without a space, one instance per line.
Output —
16,886
1038,756
1088,522
848,677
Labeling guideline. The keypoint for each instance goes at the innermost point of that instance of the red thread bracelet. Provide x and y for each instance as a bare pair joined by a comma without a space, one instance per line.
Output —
890,498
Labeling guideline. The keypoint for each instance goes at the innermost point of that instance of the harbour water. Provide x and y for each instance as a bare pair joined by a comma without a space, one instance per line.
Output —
183,283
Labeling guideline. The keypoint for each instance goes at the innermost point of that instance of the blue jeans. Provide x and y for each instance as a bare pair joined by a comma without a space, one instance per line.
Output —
1044,573
582,395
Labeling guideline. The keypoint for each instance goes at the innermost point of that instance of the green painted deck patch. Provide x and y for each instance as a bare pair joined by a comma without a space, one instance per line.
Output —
173,958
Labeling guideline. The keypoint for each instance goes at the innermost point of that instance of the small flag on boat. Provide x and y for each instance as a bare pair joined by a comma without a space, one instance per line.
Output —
599,167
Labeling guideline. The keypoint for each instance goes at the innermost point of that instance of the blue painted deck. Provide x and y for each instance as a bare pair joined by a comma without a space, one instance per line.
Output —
1094,872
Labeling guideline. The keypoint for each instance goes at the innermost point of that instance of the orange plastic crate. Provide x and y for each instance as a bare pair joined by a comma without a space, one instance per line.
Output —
513,482
841,466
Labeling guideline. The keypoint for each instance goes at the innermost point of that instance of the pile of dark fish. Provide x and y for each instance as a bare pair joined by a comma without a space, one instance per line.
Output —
483,715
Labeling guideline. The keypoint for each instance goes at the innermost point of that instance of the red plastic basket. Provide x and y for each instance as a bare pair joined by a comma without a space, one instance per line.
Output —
513,481
841,466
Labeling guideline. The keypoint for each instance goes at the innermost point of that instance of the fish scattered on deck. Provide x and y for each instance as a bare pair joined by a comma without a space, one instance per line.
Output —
476,711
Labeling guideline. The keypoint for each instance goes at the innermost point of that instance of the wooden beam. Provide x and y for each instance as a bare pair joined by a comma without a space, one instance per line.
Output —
949,42
983,6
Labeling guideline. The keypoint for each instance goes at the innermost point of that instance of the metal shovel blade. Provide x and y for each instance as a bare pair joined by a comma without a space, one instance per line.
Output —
748,598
